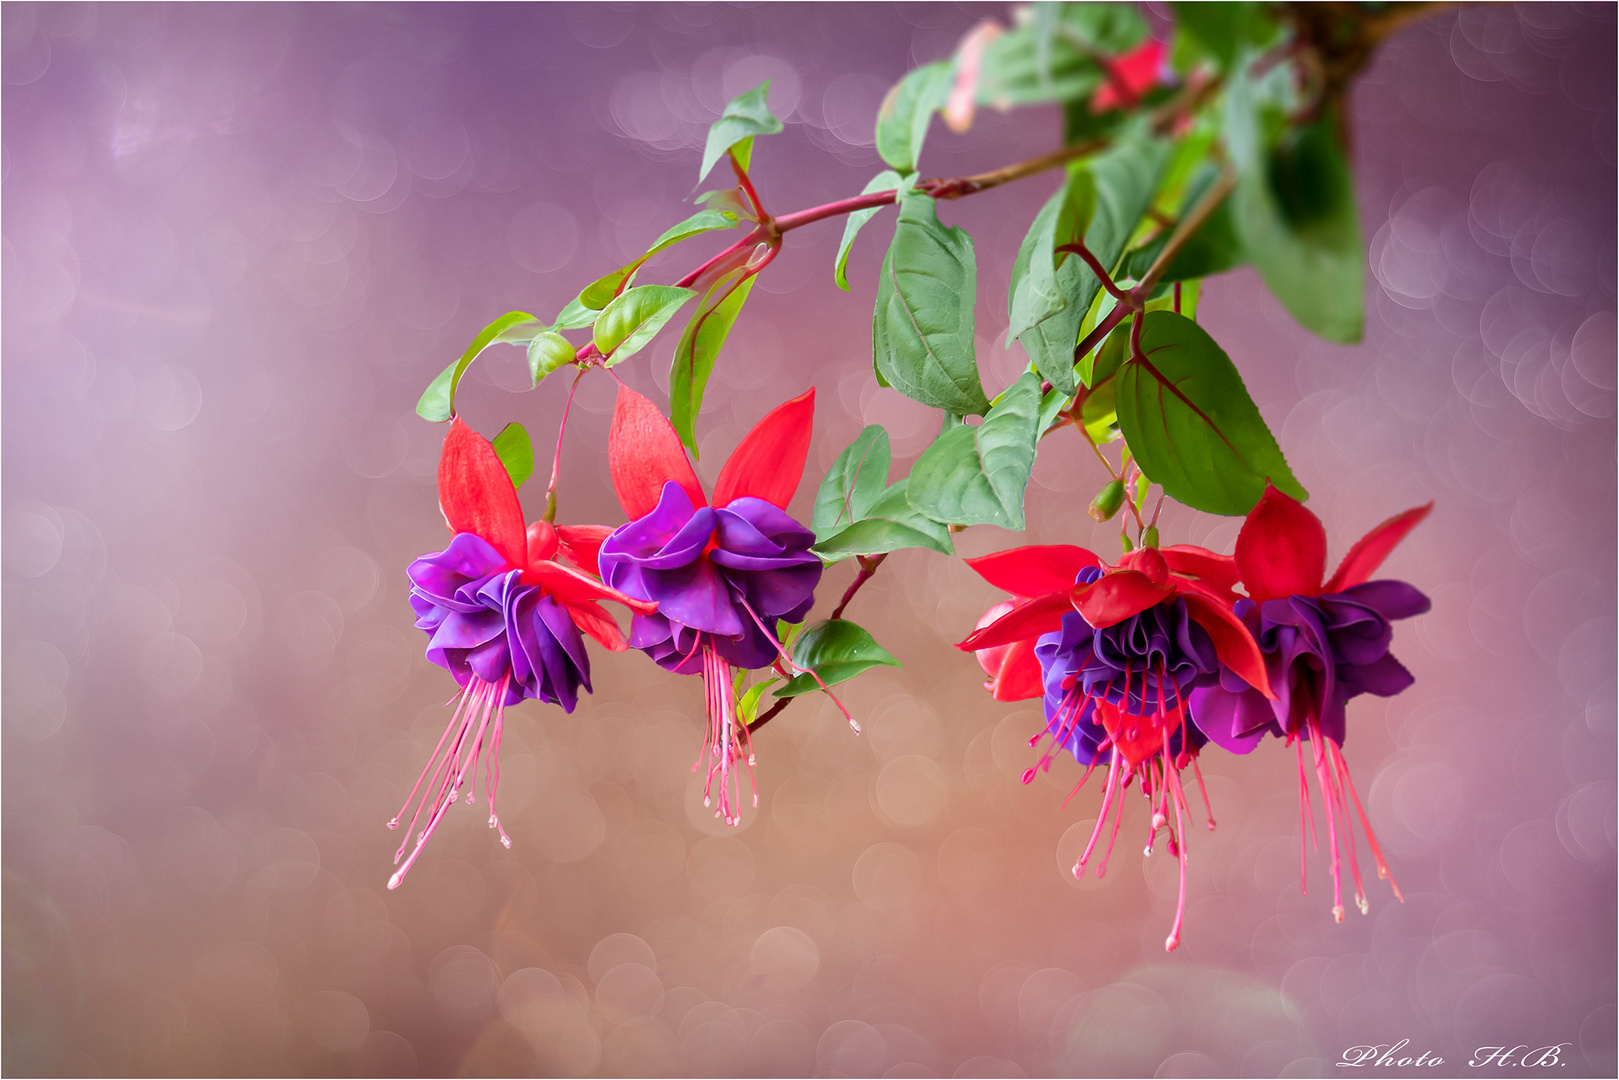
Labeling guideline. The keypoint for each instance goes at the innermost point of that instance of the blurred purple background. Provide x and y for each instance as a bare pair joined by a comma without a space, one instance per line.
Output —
239,240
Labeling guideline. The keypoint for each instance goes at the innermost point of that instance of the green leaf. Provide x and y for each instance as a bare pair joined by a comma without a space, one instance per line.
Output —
1052,56
745,117
699,347
548,352
1192,426
903,117
516,452
978,475
837,650
1222,30
887,180
630,322
1212,249
1294,210
855,481
891,523
922,329
576,316
747,706
599,293
438,400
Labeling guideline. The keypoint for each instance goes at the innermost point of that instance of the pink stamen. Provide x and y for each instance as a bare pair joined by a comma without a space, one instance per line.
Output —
796,670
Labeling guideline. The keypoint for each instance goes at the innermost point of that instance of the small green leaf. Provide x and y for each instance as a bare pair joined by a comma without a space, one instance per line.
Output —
1189,420
548,352
516,452
903,117
438,400
745,117
699,347
1294,210
978,475
576,316
747,706
855,481
922,328
599,293
837,650
891,523
887,180
628,323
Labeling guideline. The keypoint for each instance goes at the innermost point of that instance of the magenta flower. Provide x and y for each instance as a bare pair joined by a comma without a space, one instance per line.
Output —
721,574
1322,644
504,608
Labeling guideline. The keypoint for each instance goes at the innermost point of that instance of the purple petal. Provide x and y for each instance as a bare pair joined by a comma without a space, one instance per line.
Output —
1390,599
694,595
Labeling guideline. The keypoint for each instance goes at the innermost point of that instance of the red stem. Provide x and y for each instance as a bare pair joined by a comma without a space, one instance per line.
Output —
868,567
1078,248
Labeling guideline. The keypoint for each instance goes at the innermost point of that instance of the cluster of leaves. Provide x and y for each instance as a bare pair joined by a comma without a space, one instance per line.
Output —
1179,160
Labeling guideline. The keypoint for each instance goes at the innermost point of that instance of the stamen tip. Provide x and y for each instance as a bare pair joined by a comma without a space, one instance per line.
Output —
393,882
1337,913
394,824
1172,942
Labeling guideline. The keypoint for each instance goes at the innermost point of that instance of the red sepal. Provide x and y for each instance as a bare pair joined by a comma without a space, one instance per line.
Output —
1282,549
1035,570
1017,674
1233,644
476,494
1203,569
1133,74
582,544
769,462
573,587
593,619
643,453
1370,550
1117,596
1039,616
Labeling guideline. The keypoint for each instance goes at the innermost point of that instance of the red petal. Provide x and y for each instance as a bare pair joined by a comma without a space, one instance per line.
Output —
1370,550
1282,549
1233,644
594,620
1202,568
582,543
1117,596
1035,570
1018,677
574,587
643,453
1039,616
770,461
1139,737
476,494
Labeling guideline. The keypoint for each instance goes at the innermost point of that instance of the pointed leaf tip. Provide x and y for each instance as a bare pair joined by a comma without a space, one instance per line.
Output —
1282,549
769,462
643,452
476,493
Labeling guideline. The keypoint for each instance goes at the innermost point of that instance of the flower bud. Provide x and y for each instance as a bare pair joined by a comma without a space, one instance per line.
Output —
1107,501
1149,537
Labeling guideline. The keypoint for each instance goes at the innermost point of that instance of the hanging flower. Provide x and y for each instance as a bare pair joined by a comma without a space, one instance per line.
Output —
1323,643
1119,651
504,608
721,573
1128,76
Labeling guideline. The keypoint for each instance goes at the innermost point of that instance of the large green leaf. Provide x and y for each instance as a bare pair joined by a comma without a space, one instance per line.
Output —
628,323
837,650
438,400
745,117
902,120
1294,210
887,180
890,523
576,316
855,481
516,452
1188,419
978,475
699,347
1222,30
922,328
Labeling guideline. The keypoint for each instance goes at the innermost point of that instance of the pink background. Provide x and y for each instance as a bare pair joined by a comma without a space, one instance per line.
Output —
239,241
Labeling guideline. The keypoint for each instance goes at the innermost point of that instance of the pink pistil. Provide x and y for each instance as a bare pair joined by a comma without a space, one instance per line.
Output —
724,745
476,725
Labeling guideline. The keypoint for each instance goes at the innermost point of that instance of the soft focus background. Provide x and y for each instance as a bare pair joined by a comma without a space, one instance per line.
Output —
239,240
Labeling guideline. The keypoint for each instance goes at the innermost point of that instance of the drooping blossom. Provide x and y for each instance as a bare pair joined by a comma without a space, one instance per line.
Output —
1323,643
1119,651
721,573
503,607
1128,76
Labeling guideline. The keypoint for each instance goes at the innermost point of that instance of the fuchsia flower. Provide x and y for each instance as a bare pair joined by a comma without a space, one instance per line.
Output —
1129,76
504,607
1323,643
1117,652
721,574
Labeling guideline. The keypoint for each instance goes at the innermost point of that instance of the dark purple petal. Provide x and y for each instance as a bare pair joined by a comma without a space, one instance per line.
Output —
1384,677
1235,719
695,595
1390,599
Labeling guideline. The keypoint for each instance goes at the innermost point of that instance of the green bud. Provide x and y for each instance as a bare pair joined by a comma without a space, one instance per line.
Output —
1107,501
1150,537
1124,542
